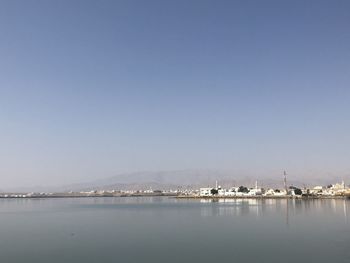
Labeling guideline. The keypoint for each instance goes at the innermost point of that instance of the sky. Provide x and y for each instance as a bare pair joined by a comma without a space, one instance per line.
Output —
90,89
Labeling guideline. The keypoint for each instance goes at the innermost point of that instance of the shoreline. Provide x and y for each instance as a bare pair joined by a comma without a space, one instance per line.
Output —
65,195
264,197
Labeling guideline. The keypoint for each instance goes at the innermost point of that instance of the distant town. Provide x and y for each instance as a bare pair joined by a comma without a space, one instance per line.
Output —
333,190
337,190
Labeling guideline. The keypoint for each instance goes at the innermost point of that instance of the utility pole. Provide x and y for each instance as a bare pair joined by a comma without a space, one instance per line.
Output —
285,182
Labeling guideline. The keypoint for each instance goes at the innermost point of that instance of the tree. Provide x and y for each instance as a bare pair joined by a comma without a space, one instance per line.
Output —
298,191
243,189
214,191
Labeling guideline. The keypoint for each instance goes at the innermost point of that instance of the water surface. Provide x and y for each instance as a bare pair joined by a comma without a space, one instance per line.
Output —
172,230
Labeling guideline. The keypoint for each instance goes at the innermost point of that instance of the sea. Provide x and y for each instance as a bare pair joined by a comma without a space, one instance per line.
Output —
163,229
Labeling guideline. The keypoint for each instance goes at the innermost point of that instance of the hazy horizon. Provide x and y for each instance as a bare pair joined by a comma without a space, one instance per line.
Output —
195,178
93,89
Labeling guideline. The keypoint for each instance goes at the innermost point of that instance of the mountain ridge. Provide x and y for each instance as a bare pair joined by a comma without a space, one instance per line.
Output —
176,179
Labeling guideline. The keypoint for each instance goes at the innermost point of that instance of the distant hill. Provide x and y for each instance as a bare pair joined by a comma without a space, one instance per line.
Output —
181,179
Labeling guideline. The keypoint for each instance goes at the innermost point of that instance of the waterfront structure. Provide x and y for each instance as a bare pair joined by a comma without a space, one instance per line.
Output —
333,190
285,181
206,191
338,189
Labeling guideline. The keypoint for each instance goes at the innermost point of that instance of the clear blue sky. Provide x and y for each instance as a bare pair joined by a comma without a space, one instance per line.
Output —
89,89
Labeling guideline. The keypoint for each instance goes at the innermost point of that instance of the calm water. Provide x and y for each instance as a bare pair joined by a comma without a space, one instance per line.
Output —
170,230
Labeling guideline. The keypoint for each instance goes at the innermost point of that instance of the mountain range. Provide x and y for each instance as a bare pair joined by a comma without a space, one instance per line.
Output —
179,179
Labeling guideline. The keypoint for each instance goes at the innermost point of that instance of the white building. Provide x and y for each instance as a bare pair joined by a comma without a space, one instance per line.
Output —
230,192
205,191
255,191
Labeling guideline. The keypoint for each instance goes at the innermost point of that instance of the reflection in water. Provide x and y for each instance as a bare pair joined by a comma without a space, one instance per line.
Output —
222,207
290,208
287,213
234,207
165,229
345,210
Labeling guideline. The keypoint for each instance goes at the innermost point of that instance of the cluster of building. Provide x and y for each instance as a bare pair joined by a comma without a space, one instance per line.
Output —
93,193
25,195
128,192
338,189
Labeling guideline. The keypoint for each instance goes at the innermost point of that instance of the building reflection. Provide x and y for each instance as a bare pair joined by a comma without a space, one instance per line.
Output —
233,207
345,210
289,209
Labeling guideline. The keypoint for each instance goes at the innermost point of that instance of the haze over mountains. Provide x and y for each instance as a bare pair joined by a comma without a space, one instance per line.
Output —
163,180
